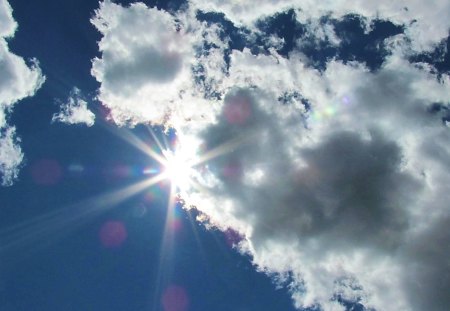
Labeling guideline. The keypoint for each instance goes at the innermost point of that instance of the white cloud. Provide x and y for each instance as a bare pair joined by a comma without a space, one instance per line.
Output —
347,198
8,25
11,156
347,194
426,22
75,111
145,68
17,81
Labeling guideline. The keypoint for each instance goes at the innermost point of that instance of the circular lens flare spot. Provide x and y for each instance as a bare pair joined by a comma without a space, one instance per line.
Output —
46,172
113,234
175,299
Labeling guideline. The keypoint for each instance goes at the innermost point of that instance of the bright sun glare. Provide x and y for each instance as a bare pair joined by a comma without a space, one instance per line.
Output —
177,168
183,163
180,162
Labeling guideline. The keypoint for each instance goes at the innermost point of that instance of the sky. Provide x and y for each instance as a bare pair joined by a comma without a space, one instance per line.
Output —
194,155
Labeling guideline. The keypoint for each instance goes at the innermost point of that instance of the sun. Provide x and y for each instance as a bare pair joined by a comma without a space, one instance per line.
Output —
180,162
178,168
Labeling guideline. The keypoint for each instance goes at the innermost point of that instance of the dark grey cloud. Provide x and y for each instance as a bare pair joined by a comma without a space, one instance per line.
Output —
427,266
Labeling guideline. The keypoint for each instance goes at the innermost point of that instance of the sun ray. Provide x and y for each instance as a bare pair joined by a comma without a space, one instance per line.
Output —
193,225
166,248
136,142
220,150
155,138
67,218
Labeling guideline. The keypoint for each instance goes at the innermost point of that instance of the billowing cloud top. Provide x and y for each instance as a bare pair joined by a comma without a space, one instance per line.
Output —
145,68
426,22
17,80
337,177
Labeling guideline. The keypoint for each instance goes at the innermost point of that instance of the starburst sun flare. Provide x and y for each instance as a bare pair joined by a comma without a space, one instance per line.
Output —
183,163
178,168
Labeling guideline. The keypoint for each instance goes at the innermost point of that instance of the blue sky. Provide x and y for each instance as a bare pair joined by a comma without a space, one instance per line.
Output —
300,155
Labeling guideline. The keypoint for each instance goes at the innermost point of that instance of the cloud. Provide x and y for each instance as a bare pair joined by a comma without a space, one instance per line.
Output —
337,179
75,111
17,81
426,23
145,67
8,25
11,156
338,201
427,287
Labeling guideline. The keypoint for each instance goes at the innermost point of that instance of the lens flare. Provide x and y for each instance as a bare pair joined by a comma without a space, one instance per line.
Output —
178,168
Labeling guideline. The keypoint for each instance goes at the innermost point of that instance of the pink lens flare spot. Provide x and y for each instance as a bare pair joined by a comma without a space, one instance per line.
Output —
149,197
152,195
175,299
121,171
46,172
232,237
174,221
176,225
238,110
113,234
106,113
232,170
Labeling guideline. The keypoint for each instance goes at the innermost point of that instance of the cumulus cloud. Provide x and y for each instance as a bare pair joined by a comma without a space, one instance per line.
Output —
145,67
426,23
341,197
17,81
75,111
337,179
